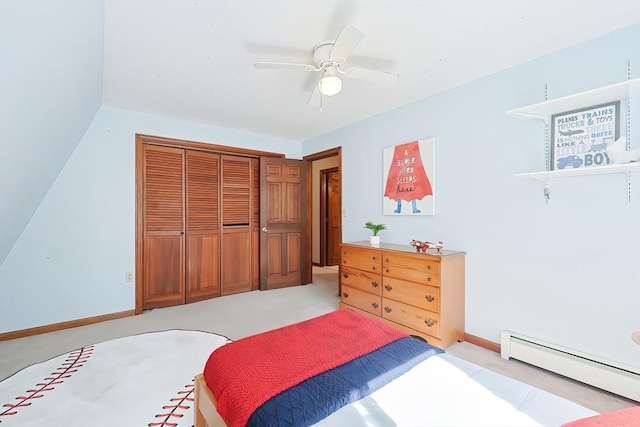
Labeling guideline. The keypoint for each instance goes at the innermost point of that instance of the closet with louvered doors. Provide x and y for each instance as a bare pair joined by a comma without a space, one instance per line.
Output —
181,226
197,221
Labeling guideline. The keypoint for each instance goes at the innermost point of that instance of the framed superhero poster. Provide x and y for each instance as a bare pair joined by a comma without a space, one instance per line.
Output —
579,138
410,178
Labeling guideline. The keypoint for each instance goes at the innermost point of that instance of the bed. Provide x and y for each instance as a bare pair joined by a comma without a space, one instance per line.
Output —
313,373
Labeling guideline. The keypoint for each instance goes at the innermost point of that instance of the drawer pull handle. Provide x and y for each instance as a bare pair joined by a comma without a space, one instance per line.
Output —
373,257
374,284
387,309
345,275
430,298
428,279
387,270
373,268
428,267
387,260
346,295
374,304
388,287
429,322
344,261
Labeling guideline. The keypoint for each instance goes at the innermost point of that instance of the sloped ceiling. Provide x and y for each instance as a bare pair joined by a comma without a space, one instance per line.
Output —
195,59
51,83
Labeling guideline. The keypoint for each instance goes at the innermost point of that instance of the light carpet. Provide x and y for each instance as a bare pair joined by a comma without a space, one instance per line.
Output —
140,380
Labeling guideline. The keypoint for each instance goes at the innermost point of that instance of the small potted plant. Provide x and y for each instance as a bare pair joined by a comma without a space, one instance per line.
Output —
375,229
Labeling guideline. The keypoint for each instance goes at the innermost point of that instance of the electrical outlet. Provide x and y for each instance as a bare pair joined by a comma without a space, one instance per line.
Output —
129,276
635,336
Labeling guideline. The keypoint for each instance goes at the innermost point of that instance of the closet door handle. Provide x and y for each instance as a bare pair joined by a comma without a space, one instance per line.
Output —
182,233
264,229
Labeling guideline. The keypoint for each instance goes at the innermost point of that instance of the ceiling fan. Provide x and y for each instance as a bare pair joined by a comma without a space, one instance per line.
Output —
329,57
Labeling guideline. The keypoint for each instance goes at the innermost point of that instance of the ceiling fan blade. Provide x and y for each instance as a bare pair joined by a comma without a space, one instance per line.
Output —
285,66
348,38
371,75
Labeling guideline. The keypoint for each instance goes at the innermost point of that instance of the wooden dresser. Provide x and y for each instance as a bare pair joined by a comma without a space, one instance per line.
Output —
420,294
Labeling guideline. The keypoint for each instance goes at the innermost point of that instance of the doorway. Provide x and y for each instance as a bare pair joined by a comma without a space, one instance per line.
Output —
329,214
329,161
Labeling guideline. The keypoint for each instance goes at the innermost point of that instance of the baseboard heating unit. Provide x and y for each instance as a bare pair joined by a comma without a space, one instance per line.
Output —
615,378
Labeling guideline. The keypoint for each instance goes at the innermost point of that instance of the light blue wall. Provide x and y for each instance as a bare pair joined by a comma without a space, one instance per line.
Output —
70,261
567,272
51,86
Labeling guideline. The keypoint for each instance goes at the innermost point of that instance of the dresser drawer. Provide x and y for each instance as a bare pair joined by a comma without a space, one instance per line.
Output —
419,262
368,282
362,264
421,296
410,268
362,253
428,338
412,317
362,300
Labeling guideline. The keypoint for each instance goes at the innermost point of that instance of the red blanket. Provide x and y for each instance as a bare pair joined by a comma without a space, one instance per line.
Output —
246,373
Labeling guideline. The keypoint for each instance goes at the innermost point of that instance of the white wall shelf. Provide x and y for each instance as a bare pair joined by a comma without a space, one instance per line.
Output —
544,110
595,170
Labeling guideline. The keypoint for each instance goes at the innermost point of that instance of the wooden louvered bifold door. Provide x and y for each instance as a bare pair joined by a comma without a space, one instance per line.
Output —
235,204
203,225
255,225
163,225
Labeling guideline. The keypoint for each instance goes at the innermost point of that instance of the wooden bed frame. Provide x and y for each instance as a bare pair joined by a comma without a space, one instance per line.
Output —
205,413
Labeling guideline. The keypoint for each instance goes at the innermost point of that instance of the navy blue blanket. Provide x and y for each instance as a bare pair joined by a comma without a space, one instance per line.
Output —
318,397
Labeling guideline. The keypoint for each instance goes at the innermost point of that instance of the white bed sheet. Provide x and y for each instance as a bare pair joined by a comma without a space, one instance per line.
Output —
447,391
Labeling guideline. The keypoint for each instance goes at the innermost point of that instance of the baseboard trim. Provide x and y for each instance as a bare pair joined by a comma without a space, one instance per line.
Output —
481,342
5,336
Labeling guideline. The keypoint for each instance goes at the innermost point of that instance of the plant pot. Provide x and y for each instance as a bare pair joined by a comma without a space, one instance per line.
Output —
375,240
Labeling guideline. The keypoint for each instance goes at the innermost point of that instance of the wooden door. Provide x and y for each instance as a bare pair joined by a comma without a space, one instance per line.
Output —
334,233
236,224
202,225
283,222
255,225
163,226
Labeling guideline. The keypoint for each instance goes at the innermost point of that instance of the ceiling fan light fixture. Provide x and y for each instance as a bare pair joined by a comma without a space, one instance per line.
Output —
330,85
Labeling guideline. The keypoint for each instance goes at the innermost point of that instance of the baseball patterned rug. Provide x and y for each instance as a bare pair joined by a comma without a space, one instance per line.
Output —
141,380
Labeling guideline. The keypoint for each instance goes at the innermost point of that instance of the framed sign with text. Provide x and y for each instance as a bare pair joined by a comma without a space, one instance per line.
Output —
409,172
579,138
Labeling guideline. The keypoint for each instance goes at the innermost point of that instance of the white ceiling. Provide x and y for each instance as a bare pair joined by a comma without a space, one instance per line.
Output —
194,59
